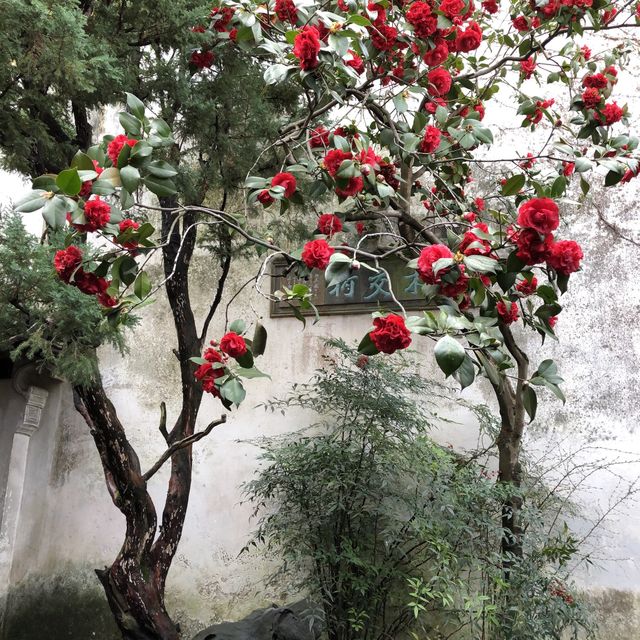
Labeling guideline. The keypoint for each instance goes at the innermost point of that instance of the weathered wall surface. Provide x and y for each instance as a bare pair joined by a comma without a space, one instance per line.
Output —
70,527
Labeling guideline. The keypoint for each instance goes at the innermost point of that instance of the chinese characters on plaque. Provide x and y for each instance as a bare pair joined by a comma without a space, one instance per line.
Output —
363,291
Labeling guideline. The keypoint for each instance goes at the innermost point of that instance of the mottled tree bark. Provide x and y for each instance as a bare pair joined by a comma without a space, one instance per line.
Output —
135,583
512,414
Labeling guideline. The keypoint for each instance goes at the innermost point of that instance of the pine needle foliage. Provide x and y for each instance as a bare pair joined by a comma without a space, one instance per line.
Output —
43,319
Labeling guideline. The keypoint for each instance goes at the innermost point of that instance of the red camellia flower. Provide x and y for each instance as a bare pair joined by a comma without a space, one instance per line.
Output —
591,98
207,374
316,254
355,61
126,224
329,224
264,198
334,159
527,67
452,8
468,39
490,6
565,256
221,17
527,287
437,55
66,261
424,23
568,168
319,137
233,345
454,289
90,283
439,81
97,212
427,257
473,245
286,11
285,180
595,81
431,139
115,147
508,312
540,214
521,24
306,46
538,113
390,333
383,37
202,59
611,113
532,247
355,185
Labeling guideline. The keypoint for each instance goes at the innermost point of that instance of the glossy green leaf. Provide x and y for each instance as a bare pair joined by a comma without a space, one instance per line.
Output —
69,182
449,354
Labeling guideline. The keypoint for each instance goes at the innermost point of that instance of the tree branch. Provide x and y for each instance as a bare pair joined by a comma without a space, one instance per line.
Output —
180,444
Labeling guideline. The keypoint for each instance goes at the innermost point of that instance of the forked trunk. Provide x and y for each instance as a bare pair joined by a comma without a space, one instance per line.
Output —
136,604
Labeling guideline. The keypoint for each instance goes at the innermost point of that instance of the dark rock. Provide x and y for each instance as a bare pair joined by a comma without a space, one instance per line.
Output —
299,621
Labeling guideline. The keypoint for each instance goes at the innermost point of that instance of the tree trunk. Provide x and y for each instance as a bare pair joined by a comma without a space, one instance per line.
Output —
512,414
137,606
135,600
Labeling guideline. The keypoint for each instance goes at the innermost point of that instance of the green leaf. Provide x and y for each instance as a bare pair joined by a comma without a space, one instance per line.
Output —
31,202
246,360
513,184
46,182
259,340
55,212
136,106
489,368
506,280
466,373
276,73
110,175
252,372
530,402
130,178
359,20
159,126
558,187
140,150
160,186
449,354
142,285
69,181
367,347
583,164
238,326
233,391
563,282
162,169
514,263
337,272
130,124
481,264
82,161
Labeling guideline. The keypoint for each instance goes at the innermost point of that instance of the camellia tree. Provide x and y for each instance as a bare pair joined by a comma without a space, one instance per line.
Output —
392,126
